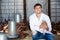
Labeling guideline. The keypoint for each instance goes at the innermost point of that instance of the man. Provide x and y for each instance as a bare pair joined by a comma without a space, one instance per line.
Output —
40,24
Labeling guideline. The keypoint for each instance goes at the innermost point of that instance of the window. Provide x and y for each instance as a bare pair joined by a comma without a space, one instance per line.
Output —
55,10
10,7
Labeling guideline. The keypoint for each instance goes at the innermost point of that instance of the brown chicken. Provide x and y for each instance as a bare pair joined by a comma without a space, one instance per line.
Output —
44,25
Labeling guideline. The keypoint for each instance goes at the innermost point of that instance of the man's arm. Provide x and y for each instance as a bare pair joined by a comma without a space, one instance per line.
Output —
46,22
47,19
32,26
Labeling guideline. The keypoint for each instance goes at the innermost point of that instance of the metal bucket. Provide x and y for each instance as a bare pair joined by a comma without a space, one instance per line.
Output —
3,36
17,18
12,30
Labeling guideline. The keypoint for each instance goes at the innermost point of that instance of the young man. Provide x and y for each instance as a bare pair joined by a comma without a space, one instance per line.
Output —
39,21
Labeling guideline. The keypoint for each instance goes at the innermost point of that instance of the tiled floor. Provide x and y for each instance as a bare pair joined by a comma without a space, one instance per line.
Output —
57,37
29,38
26,38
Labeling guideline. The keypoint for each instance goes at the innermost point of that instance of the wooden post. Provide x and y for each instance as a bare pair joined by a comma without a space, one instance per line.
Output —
24,2
49,9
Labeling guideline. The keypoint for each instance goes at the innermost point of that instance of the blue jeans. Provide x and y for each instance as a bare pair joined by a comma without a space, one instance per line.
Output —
39,35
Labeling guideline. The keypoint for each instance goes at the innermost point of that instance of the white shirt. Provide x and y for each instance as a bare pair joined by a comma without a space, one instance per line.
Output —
35,23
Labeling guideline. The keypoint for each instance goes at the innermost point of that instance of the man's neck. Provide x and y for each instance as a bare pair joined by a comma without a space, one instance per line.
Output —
38,16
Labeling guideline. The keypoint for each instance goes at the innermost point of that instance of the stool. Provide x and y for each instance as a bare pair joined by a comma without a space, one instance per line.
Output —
41,39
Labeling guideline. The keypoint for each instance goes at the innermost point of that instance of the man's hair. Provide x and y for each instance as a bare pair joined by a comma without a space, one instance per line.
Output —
38,4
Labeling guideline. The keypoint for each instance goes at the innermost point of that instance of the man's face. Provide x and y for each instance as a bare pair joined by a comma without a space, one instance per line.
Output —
37,9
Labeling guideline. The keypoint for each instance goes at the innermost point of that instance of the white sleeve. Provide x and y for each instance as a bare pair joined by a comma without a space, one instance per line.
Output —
31,24
47,19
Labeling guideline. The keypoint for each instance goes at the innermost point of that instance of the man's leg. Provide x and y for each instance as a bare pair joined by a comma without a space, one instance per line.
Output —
35,36
41,35
49,36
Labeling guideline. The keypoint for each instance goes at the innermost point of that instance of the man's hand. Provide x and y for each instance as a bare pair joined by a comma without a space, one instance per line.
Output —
34,32
44,25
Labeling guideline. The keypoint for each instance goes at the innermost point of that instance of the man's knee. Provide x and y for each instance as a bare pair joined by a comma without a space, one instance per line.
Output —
49,36
35,36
